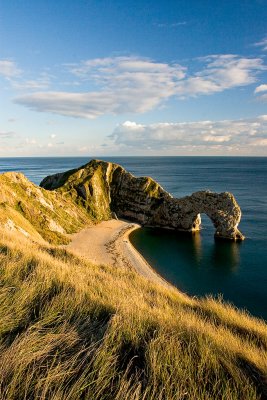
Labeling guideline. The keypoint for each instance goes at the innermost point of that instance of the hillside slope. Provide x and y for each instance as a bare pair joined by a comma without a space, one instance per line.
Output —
38,213
70,330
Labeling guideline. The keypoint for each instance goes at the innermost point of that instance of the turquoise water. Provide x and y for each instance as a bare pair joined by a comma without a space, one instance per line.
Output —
196,264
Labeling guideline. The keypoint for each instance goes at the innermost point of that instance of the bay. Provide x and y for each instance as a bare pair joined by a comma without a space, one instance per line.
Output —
196,264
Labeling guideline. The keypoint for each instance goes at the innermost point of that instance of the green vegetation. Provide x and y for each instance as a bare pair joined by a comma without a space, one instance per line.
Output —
72,330
36,212
87,187
90,187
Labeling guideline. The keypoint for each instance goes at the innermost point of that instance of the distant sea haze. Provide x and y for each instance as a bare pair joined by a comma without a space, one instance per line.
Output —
195,264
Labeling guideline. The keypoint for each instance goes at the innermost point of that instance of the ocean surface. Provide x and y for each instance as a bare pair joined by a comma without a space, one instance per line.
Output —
196,264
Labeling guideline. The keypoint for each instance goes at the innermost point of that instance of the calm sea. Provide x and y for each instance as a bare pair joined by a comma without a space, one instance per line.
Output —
195,264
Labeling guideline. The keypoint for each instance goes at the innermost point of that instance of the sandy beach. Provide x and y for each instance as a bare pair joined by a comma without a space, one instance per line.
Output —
108,243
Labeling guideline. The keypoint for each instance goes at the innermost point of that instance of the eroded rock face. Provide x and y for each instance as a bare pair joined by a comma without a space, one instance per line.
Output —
105,188
37,213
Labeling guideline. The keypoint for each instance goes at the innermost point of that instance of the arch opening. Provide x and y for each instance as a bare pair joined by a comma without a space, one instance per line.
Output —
203,222
207,224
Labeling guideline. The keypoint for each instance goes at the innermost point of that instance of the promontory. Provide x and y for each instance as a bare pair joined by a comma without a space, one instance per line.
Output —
106,189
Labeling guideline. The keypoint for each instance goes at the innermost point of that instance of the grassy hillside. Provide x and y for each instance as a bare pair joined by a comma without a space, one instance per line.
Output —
72,330
38,213
87,186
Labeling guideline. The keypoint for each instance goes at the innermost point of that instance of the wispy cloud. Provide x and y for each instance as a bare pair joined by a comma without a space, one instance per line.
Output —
22,83
262,44
17,78
30,84
119,85
30,141
170,24
7,134
263,97
81,105
261,88
122,84
221,72
9,69
227,134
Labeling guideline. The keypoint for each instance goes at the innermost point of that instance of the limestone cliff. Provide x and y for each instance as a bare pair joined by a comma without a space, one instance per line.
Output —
103,188
34,212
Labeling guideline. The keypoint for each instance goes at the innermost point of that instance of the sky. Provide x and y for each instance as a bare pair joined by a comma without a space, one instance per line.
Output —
112,78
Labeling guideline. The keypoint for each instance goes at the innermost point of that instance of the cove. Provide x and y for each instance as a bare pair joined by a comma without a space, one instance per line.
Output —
199,265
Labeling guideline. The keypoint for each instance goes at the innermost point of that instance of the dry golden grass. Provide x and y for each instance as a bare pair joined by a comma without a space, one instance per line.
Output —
72,330
38,213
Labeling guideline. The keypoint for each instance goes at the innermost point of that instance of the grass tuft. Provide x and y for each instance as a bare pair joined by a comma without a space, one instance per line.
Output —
72,330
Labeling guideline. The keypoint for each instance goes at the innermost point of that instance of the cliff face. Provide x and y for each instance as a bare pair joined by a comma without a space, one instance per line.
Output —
104,188
32,211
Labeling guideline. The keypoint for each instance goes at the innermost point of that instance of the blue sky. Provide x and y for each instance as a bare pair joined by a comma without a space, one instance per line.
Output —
94,78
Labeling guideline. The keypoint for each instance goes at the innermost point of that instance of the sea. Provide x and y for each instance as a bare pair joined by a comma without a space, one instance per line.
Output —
196,264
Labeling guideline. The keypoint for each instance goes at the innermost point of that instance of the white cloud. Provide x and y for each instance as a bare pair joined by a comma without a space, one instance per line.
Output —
42,81
125,84
30,141
30,84
217,139
259,143
17,80
171,25
7,134
225,134
121,85
263,97
220,73
83,105
262,44
261,88
9,69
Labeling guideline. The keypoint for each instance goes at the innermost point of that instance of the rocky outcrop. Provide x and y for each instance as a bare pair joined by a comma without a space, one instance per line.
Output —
104,188
37,213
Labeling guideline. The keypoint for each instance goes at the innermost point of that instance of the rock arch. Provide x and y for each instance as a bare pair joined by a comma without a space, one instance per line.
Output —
107,188
184,214
221,208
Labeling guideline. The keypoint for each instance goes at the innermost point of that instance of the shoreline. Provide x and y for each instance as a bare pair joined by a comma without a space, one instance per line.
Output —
138,262
108,243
